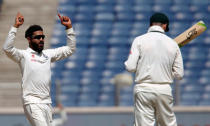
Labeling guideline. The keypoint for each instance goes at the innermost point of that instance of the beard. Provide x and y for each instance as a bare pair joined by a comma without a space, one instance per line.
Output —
37,47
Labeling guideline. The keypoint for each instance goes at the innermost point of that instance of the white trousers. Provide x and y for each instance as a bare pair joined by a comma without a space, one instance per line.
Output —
153,108
39,114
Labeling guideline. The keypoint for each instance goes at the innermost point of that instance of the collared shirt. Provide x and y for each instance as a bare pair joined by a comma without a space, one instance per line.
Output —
35,67
155,58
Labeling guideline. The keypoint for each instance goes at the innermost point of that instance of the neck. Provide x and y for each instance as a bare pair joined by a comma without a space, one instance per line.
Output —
159,24
36,50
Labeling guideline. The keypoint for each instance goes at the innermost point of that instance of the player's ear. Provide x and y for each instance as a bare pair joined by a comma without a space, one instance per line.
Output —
167,28
29,39
164,26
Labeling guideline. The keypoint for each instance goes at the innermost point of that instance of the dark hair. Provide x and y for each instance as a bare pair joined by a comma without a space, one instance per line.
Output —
160,18
29,32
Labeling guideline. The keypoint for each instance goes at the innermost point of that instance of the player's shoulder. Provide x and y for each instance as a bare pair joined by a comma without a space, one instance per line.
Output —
23,51
173,41
140,37
48,51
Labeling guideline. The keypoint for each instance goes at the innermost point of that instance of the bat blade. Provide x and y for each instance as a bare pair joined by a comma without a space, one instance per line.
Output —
190,33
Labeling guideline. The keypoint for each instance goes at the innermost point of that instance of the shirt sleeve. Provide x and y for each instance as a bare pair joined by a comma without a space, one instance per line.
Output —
132,61
9,49
65,51
178,69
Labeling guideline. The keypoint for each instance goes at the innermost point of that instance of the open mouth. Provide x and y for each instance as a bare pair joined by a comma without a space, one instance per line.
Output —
41,46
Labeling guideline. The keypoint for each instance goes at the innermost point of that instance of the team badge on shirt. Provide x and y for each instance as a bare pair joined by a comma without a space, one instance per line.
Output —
40,59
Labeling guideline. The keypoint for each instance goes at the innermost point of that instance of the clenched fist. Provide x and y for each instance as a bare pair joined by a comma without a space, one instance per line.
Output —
19,20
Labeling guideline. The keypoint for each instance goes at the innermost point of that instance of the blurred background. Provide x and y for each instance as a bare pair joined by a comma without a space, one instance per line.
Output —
105,30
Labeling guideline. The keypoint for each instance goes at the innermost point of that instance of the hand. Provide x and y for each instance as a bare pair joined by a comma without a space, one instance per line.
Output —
60,106
66,21
19,20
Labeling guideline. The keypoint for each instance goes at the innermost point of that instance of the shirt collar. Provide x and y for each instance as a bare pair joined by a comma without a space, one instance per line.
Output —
32,51
156,28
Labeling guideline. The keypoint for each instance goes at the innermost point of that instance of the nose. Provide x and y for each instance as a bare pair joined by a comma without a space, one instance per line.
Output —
41,39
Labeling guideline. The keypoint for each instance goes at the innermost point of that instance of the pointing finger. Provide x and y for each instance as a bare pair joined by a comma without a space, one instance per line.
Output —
59,16
18,14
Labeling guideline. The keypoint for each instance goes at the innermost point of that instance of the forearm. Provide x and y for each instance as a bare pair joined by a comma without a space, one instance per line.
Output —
65,51
8,45
178,69
71,39
178,72
130,65
9,48
178,75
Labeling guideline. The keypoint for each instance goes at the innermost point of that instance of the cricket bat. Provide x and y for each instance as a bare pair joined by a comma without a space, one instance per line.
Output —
190,33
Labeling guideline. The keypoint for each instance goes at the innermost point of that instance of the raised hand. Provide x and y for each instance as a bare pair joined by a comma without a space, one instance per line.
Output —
19,20
66,21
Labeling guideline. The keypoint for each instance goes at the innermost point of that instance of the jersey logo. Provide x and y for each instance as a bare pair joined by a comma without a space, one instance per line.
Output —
40,59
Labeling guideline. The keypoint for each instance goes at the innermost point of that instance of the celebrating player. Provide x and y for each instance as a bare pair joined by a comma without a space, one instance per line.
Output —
35,65
156,59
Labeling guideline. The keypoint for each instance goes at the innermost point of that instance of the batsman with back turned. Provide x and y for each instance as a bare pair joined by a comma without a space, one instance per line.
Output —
156,60
35,63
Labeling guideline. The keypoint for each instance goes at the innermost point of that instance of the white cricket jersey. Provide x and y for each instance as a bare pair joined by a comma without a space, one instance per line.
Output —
36,68
156,59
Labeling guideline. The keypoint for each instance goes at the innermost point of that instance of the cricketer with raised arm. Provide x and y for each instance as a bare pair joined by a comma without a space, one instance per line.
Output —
35,63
